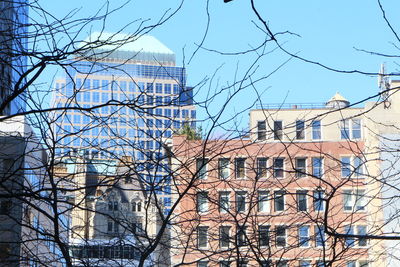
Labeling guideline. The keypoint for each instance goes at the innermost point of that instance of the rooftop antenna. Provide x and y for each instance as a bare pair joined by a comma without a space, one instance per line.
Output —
384,86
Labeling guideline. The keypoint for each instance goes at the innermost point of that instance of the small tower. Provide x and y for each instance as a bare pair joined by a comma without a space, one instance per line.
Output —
337,101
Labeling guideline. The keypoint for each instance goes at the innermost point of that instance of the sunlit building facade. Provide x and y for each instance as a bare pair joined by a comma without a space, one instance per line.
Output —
123,100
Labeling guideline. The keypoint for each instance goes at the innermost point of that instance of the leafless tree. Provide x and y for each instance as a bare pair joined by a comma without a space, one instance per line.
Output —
259,196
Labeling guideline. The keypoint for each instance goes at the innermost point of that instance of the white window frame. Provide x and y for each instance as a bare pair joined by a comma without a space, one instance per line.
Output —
353,199
202,207
259,172
263,204
199,230
299,236
314,130
298,193
202,168
353,128
275,168
237,159
301,172
262,132
301,131
284,236
221,237
275,131
220,206
282,193
222,169
241,195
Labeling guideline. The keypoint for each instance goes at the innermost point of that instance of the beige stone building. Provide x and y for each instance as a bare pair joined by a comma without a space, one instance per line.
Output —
112,219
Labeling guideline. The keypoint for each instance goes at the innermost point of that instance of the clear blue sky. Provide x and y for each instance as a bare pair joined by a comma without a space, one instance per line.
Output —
329,32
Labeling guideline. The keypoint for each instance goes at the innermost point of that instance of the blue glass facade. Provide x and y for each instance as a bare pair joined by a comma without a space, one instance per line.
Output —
13,41
131,109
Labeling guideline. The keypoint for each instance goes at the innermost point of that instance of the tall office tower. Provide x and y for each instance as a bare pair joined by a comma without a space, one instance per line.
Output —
13,42
121,101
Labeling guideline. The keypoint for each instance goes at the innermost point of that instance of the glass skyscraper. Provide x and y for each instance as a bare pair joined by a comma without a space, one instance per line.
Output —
122,101
13,43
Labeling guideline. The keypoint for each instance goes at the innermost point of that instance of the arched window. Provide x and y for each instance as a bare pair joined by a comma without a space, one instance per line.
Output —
139,206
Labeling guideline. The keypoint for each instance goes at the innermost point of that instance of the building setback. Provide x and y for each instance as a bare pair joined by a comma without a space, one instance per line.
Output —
304,189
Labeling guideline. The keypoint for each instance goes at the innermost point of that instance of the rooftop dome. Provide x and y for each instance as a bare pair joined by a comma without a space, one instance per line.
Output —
337,101
106,45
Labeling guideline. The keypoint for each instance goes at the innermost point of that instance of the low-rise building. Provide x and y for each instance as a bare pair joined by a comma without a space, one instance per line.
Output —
113,219
304,189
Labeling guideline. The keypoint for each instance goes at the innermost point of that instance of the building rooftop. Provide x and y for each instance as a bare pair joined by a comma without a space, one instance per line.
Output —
105,45
336,101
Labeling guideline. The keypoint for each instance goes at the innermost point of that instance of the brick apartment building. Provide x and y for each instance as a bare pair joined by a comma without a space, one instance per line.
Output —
304,189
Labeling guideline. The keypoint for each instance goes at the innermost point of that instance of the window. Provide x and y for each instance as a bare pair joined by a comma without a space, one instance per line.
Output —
319,200
301,196
362,263
266,263
113,205
281,263
304,263
77,119
301,169
356,128
263,235
355,230
202,264
262,167
242,263
277,130
281,236
349,230
316,130
351,264
240,201
223,168
202,202
344,129
317,167
263,205
278,167
112,226
319,236
86,96
362,230
358,167
261,130
223,201
224,236
300,132
356,170
279,200
345,166
224,264
96,97
150,88
241,235
202,236
354,200
167,89
5,207
159,101
240,167
304,236
201,168
136,206
158,88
